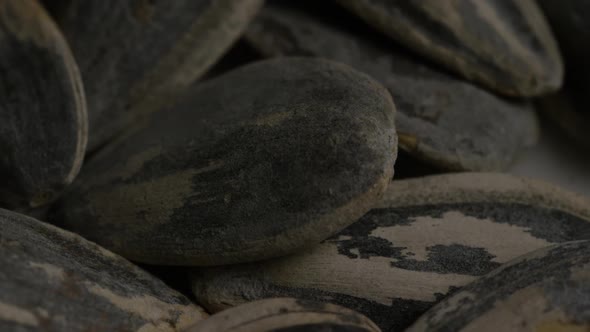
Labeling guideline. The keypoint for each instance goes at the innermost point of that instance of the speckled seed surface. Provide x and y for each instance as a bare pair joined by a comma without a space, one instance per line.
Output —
427,238
286,315
547,290
53,280
137,55
446,122
505,45
263,161
43,126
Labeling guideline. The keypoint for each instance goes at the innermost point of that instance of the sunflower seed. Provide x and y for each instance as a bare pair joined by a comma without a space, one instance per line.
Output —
257,163
449,123
137,55
43,130
286,314
505,45
427,238
53,280
547,290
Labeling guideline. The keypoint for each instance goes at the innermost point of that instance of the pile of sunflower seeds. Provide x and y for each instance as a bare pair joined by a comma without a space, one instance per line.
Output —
233,165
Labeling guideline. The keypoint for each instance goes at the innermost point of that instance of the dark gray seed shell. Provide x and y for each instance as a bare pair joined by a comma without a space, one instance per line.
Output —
137,55
53,280
547,290
442,120
427,238
258,163
286,315
505,45
43,126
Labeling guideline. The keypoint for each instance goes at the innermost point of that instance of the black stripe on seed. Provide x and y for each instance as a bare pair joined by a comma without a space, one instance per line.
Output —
552,270
552,225
442,36
454,258
520,24
548,224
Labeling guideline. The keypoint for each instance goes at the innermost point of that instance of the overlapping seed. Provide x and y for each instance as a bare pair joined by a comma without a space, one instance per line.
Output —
263,191
294,151
546,290
449,123
286,314
138,56
427,238
53,280
505,45
43,126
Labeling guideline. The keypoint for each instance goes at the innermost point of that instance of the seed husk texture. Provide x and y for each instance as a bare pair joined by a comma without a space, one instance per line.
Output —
54,280
43,127
137,56
239,160
293,152
447,122
546,290
286,314
506,46
426,239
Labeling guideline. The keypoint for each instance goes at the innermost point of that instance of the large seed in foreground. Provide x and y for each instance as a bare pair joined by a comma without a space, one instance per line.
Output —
427,238
447,122
547,290
505,45
286,314
53,280
43,126
137,56
258,163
